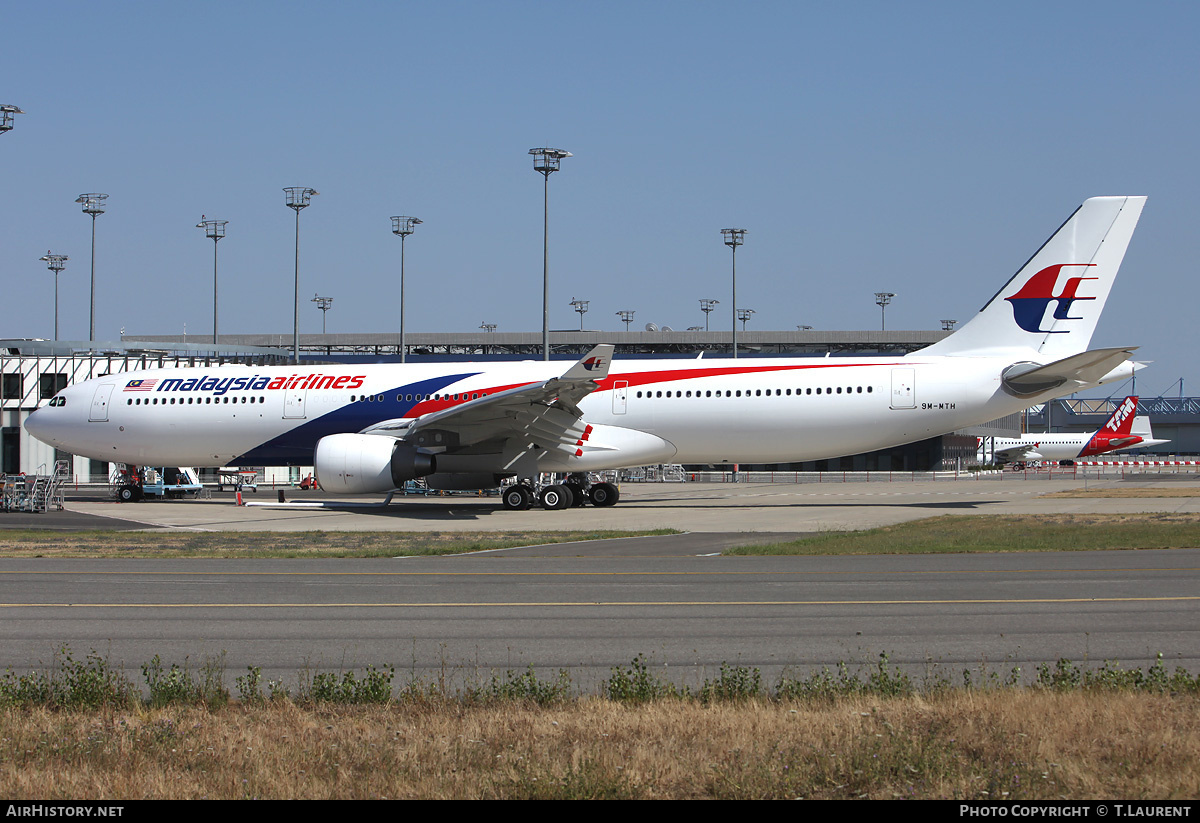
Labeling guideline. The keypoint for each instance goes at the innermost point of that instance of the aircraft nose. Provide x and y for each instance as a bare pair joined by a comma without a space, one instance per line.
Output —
40,426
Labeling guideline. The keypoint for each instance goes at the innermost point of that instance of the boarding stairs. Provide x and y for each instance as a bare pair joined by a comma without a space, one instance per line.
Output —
36,492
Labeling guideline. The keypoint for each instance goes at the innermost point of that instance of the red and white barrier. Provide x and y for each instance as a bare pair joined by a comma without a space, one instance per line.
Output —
1137,462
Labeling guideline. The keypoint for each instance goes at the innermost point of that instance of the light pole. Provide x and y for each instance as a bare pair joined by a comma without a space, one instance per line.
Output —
297,197
324,304
546,161
581,306
803,328
733,239
744,315
882,298
214,230
488,327
627,317
402,227
707,306
56,263
6,117
93,204
948,325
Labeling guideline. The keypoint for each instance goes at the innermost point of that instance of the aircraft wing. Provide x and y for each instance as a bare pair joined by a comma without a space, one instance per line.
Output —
545,413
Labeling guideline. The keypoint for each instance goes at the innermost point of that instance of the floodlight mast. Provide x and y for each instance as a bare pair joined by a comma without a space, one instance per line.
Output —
297,198
627,317
324,304
93,204
402,227
733,239
882,299
546,161
6,117
214,230
744,315
55,263
948,325
708,307
581,306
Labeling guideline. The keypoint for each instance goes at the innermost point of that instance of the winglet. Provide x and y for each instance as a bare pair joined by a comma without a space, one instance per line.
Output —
593,365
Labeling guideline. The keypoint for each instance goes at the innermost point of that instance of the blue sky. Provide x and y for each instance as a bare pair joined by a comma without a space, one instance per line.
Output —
921,148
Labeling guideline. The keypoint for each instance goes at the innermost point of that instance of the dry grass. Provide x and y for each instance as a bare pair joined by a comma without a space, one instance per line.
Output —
161,544
1127,492
998,744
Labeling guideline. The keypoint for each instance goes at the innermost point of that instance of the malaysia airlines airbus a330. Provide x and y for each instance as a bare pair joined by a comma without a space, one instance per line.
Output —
368,429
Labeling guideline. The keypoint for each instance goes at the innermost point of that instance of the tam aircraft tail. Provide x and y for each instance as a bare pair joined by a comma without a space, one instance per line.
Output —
1052,304
1120,424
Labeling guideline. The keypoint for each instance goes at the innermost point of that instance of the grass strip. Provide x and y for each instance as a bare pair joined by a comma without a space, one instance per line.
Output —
1125,493
1001,533
308,544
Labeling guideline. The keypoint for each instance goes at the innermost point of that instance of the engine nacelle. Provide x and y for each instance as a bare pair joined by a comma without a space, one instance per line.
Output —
366,463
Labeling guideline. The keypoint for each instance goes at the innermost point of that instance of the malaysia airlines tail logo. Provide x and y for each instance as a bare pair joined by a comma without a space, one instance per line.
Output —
1029,304
593,363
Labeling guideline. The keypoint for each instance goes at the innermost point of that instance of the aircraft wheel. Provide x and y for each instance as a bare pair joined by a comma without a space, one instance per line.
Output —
579,493
517,498
556,497
604,494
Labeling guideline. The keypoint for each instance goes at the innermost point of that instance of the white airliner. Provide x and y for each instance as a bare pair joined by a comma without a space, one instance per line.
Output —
370,429
1123,430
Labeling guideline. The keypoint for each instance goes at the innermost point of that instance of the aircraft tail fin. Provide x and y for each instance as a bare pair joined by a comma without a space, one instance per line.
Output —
1051,305
1121,421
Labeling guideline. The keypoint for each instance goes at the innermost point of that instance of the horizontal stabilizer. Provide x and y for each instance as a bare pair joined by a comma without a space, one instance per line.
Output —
1086,368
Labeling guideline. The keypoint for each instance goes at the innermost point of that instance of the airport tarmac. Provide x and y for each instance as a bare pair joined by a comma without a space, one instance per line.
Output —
689,506
591,606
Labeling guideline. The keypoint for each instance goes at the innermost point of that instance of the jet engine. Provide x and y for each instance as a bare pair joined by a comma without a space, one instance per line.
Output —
365,463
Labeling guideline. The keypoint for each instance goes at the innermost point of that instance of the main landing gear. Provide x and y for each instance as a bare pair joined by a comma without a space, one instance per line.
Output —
575,491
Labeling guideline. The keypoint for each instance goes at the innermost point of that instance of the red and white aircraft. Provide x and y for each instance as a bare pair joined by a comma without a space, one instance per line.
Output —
1122,431
470,425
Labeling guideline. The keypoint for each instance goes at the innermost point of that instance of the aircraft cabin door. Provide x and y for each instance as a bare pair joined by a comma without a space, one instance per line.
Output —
293,403
100,400
903,390
620,396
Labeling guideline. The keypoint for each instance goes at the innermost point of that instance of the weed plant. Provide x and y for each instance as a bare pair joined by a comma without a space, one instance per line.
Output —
70,683
179,685
94,682
525,687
